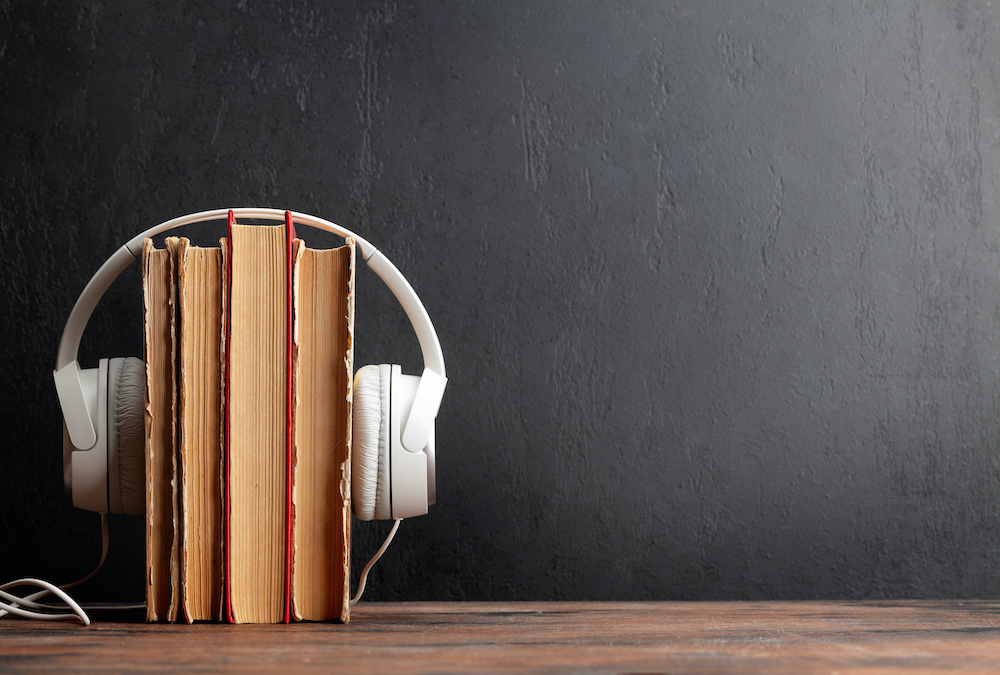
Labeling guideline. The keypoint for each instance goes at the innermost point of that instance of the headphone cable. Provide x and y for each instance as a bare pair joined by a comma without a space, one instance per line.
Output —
28,606
371,563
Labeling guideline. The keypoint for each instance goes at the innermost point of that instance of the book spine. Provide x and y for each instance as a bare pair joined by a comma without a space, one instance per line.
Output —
227,610
289,408
179,255
174,609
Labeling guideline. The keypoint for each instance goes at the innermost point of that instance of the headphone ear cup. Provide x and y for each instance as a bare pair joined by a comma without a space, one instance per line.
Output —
126,436
370,489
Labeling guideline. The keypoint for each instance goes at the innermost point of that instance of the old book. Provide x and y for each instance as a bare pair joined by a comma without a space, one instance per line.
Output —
200,319
174,609
323,354
258,444
158,293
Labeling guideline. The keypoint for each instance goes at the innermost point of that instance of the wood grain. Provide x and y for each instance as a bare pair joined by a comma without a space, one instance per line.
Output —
696,637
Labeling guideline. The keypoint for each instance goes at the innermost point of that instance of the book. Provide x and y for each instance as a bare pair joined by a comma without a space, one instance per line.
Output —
323,362
249,353
199,413
257,422
162,544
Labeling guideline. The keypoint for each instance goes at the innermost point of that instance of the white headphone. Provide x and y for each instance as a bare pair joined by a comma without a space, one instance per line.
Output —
393,459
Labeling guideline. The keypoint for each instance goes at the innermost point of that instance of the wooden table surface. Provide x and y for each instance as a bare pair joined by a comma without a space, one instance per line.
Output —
580,637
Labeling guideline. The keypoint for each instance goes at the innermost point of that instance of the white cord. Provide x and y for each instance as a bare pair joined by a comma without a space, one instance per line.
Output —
27,607
371,563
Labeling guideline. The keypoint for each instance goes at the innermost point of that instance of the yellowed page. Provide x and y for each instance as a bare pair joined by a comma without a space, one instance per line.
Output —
257,423
156,289
321,477
200,311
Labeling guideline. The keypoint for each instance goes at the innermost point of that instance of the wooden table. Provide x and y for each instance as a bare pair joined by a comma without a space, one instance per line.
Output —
585,637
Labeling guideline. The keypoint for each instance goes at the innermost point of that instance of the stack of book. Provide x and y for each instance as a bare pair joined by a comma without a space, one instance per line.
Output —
249,355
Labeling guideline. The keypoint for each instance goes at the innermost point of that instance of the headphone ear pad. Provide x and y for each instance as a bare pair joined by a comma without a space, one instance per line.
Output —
370,489
126,435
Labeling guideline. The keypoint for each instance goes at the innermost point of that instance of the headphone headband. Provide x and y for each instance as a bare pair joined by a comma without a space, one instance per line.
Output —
67,371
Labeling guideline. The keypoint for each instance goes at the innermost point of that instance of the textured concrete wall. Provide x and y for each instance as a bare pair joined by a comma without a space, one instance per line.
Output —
717,283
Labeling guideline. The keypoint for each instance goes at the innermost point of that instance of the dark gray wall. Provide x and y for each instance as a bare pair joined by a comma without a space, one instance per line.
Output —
717,283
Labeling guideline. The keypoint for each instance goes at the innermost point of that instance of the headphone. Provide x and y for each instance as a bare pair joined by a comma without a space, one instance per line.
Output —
392,448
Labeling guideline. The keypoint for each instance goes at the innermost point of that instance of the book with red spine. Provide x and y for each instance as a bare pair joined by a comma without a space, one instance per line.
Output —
258,422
